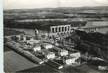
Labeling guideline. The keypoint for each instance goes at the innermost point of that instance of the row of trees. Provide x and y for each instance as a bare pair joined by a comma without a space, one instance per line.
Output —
44,25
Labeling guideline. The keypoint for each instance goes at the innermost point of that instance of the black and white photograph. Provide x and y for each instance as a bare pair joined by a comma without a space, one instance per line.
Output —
55,36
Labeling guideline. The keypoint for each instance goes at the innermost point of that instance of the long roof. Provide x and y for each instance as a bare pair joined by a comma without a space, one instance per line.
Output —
96,24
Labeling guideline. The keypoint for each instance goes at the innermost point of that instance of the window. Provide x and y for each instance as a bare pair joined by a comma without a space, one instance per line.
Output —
53,30
59,29
56,29
68,28
62,29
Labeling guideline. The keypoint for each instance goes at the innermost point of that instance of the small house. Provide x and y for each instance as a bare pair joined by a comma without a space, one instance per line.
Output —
37,48
48,54
48,46
63,53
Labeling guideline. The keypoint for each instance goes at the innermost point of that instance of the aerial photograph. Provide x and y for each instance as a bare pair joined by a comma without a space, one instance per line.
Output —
55,36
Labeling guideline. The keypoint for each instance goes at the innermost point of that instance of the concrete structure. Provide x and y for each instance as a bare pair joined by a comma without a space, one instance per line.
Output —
60,29
53,31
96,26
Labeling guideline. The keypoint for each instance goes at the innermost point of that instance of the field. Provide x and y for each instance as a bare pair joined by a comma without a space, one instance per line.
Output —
14,62
35,18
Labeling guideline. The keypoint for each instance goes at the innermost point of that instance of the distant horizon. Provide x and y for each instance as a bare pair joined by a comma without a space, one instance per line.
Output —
57,7
37,4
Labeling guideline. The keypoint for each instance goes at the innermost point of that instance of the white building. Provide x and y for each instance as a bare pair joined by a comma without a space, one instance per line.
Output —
60,30
51,55
72,58
32,41
75,55
48,54
37,48
70,61
63,53
96,26
48,46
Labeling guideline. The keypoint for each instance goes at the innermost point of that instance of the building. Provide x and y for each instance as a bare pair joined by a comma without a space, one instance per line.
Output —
71,58
96,26
70,61
32,41
60,30
75,55
53,30
63,53
56,29
37,48
27,38
24,37
59,51
48,46
48,54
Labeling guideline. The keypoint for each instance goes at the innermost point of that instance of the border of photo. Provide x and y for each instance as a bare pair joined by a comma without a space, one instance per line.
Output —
1,36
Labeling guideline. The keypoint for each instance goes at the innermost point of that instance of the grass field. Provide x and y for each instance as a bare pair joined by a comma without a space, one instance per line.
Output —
14,62
6,49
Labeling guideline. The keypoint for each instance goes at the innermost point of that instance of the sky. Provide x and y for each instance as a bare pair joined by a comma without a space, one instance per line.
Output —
29,4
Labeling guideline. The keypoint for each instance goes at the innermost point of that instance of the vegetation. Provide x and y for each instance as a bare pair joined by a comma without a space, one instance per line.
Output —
8,32
95,44
43,25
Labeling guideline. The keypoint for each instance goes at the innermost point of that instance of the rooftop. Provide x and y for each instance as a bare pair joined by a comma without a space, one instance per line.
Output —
96,24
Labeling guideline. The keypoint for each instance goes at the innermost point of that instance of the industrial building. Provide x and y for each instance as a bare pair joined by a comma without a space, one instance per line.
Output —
96,26
59,51
53,30
48,54
25,38
44,50
69,60
60,30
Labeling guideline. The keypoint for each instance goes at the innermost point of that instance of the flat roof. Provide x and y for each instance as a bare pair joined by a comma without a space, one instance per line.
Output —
96,24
